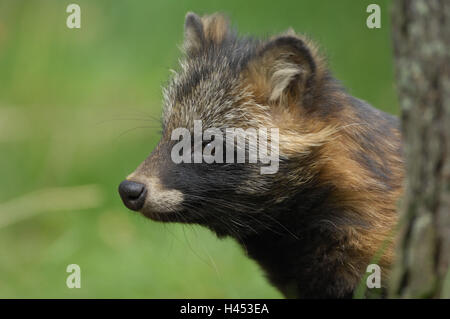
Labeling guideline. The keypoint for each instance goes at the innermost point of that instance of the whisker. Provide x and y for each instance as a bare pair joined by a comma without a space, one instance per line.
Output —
124,119
135,128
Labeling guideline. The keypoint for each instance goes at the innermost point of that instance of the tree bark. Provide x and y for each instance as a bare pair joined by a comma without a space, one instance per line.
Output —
421,34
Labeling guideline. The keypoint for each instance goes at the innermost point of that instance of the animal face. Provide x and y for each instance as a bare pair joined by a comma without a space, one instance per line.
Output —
226,82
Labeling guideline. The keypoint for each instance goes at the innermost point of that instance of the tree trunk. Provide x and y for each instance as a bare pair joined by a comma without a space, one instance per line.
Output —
421,34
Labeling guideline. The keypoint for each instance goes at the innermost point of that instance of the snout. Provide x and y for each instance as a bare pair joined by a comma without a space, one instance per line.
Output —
133,194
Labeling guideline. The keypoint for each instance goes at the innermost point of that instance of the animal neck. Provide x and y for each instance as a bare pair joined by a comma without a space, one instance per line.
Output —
304,256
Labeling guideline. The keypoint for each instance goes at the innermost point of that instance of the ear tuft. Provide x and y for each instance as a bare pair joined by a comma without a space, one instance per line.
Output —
283,73
193,32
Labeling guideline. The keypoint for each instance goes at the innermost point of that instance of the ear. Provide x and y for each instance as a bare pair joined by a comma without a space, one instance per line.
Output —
205,31
283,68
194,37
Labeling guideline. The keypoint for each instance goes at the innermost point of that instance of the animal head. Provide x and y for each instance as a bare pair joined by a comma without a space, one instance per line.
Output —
252,85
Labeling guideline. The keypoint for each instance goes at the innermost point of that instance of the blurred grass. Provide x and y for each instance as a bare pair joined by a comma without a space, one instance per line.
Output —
76,108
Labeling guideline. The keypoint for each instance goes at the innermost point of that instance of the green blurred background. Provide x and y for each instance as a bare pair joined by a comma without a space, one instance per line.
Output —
76,109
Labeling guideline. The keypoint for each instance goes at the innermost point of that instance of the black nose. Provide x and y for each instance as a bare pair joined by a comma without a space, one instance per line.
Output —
132,194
